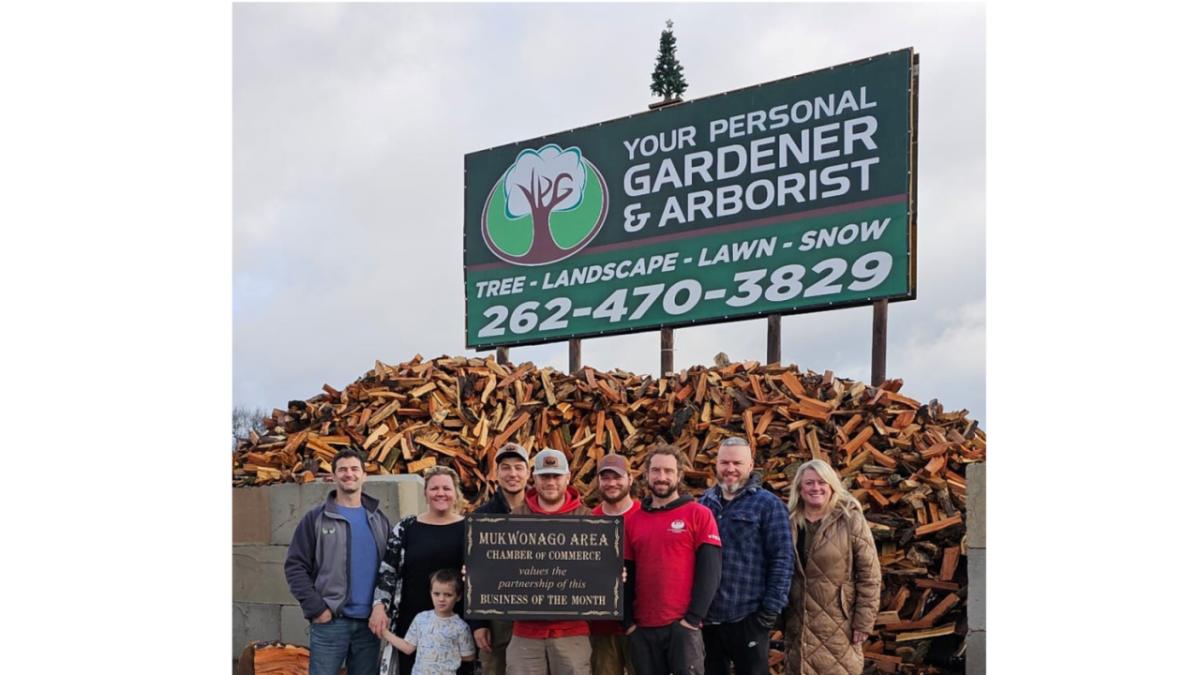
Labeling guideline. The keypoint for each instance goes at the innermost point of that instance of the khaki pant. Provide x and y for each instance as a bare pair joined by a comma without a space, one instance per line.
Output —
550,656
610,655
494,662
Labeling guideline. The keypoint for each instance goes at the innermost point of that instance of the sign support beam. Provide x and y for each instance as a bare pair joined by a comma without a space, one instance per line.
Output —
774,338
575,354
879,343
667,355
501,355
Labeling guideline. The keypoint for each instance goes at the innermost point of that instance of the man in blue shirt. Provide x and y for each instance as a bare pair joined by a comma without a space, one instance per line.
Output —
330,568
756,564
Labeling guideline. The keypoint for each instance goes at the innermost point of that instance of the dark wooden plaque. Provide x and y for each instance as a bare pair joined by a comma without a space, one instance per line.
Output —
544,567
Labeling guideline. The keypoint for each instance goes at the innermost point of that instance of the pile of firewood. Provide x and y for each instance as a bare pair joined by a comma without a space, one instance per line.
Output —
904,461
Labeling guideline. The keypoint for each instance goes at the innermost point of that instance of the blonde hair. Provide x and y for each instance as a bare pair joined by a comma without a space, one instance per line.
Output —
439,470
838,494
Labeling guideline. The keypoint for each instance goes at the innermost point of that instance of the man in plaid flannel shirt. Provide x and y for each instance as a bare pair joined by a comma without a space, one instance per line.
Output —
756,564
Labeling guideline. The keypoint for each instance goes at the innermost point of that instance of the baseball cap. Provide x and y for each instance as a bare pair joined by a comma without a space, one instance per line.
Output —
512,449
549,462
616,463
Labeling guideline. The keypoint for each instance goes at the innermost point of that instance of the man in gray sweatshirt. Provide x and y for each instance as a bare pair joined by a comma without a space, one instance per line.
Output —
330,568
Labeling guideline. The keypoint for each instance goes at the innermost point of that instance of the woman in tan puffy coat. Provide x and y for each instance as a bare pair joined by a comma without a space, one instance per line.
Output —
835,588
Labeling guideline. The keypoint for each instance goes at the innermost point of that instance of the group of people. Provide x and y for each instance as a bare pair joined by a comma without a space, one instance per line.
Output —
706,580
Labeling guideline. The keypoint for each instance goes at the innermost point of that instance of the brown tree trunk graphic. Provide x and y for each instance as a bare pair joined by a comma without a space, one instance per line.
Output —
542,199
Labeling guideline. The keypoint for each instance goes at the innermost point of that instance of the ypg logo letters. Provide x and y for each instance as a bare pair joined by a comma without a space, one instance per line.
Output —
548,206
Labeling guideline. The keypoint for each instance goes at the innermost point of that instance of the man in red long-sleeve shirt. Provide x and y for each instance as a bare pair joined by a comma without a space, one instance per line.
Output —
610,646
550,647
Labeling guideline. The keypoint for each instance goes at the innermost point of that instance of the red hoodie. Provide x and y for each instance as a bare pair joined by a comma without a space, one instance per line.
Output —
540,630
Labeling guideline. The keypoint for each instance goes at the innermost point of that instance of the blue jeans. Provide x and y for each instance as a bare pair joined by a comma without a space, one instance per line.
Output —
339,640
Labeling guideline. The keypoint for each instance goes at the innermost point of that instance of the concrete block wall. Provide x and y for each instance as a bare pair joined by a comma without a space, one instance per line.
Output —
264,519
976,569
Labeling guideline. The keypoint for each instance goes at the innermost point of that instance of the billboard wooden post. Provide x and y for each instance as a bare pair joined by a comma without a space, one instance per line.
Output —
879,343
774,339
667,359
502,355
574,354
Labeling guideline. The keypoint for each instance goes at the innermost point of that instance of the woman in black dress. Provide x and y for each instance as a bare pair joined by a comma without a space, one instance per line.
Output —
417,547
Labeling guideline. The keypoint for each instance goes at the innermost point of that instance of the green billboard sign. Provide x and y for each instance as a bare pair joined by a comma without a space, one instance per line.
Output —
790,196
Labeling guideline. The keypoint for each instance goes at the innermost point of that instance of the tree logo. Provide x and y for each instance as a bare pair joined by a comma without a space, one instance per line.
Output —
547,207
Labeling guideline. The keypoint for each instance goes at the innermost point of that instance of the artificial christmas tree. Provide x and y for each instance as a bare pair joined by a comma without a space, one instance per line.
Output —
667,79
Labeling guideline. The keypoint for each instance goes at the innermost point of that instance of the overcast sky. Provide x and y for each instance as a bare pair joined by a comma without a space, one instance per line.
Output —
350,123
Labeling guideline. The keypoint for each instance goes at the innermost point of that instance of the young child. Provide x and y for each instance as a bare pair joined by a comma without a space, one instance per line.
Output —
441,639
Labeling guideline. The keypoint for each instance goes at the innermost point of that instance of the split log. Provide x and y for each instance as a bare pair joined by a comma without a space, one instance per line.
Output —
274,658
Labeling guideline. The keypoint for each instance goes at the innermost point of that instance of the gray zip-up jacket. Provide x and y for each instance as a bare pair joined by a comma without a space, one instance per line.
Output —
318,560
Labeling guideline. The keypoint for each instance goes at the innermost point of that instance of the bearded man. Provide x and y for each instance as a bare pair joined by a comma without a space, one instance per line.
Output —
756,564
610,645
673,566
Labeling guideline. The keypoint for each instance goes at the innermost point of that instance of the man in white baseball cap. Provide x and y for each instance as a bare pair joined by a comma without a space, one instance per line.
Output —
554,647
